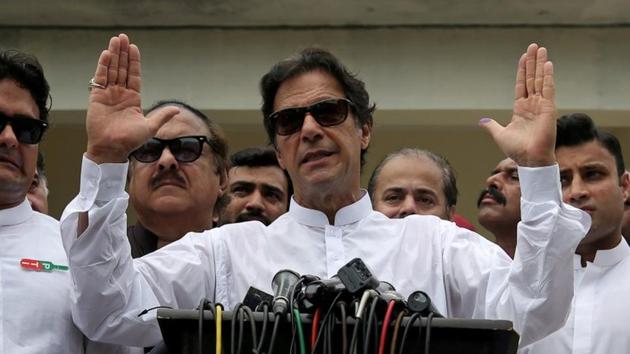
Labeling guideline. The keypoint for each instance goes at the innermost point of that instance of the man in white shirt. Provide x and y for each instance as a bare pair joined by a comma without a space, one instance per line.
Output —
319,118
35,313
594,179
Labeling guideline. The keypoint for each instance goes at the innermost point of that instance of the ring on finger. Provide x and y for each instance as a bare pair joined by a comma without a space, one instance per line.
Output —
93,84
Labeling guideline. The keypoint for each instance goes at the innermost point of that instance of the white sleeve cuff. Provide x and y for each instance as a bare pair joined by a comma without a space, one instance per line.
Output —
540,184
102,182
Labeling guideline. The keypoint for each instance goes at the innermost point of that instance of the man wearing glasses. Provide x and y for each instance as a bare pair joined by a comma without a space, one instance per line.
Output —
319,118
35,295
175,178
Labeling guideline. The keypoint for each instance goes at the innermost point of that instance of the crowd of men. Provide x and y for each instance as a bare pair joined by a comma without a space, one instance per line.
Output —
211,225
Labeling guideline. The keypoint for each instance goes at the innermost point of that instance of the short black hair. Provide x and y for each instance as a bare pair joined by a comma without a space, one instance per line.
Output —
578,128
449,180
217,139
308,60
27,72
259,157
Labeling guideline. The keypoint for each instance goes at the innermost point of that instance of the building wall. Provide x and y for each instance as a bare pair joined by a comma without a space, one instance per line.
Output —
431,85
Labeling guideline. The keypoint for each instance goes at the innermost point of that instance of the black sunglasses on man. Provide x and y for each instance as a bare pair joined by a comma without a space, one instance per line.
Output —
184,148
27,130
327,113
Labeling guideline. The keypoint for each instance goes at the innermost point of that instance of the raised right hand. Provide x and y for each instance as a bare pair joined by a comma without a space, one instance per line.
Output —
115,123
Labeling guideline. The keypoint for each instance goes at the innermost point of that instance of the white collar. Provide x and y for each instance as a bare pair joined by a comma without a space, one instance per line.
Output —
608,258
344,216
16,215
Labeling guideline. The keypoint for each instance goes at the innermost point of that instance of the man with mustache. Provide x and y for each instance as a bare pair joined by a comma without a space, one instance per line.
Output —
319,117
594,179
175,178
258,189
500,205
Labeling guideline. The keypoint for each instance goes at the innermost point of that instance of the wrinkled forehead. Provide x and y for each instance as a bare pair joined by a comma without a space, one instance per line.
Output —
307,88
409,171
506,165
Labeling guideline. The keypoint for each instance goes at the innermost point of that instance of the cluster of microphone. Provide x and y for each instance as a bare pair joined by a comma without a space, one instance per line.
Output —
353,300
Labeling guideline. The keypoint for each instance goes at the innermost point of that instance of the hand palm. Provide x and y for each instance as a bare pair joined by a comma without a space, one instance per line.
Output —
529,138
529,131
115,123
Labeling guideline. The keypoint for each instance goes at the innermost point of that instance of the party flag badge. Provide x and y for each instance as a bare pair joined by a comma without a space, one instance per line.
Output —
41,266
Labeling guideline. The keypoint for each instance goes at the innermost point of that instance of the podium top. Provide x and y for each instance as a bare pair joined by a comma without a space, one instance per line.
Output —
448,335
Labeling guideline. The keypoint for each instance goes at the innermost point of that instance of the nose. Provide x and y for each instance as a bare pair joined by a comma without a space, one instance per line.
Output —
576,192
7,137
494,182
311,130
408,207
167,160
255,202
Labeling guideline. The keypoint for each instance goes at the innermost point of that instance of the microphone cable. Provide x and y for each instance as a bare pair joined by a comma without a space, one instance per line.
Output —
234,349
300,331
410,322
427,339
395,333
297,285
386,321
358,319
328,335
372,321
274,332
203,305
241,311
265,306
314,328
218,319
326,316
344,327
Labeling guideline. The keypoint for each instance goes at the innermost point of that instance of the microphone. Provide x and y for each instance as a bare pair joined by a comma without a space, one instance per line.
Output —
322,291
420,302
357,277
384,286
256,297
282,285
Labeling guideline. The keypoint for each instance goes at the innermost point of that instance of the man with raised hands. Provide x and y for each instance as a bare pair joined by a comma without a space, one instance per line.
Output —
319,118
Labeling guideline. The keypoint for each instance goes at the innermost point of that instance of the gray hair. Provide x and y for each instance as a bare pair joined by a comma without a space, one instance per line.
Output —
449,181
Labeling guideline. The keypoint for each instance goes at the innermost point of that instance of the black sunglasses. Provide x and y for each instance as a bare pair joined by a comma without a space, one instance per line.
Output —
327,113
184,148
27,130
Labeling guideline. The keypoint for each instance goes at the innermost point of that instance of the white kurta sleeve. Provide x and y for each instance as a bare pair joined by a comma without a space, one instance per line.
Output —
534,290
110,288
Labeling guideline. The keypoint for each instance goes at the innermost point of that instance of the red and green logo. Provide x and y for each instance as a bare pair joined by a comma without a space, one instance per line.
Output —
41,266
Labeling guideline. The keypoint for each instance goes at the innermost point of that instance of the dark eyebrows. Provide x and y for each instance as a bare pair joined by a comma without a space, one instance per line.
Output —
508,170
18,115
248,185
267,189
398,190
